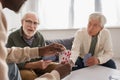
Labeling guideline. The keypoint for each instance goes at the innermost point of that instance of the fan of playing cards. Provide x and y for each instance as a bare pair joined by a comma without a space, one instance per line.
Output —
64,57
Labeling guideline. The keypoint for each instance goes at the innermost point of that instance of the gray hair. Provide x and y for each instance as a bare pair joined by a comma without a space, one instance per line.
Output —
98,16
30,12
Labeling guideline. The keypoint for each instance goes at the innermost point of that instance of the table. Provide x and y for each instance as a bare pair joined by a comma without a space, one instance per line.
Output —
94,73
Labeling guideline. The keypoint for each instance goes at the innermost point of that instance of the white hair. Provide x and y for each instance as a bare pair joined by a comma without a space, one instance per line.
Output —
30,12
98,16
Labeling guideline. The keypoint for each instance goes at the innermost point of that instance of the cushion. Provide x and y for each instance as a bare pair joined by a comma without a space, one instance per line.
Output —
66,42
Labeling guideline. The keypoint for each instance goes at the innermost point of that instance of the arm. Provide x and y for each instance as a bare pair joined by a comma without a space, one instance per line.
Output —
54,75
107,49
17,54
61,71
37,65
3,51
76,46
11,43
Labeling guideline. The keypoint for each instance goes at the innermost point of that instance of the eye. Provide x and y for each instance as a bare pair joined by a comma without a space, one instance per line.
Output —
36,23
28,21
31,22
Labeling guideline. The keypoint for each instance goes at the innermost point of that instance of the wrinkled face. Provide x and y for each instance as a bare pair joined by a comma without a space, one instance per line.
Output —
30,24
94,27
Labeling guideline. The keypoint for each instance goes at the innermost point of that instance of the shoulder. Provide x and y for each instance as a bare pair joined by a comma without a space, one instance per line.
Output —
15,33
81,31
105,34
105,31
39,35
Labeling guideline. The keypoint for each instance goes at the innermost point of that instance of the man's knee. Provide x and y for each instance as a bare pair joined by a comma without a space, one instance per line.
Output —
110,64
28,74
13,72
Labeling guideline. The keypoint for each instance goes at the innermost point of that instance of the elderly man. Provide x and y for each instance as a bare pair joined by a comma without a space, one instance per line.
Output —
21,54
28,35
93,45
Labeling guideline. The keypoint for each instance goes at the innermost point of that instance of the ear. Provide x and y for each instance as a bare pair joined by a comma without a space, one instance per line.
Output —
14,5
22,21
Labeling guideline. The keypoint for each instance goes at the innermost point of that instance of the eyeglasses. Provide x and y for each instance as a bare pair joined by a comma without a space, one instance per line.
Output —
29,22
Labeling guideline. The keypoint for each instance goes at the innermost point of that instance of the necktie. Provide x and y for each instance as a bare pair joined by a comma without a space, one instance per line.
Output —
93,44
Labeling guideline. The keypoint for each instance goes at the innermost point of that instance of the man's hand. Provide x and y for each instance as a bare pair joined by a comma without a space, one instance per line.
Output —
51,49
92,61
63,69
38,64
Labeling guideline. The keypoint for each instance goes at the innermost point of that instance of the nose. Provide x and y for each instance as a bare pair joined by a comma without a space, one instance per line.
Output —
32,25
90,28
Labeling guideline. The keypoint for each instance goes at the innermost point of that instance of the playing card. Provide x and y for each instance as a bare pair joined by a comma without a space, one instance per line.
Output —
114,77
64,56
53,58
86,57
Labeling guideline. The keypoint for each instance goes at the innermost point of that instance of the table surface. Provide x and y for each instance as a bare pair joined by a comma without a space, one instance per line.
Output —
94,73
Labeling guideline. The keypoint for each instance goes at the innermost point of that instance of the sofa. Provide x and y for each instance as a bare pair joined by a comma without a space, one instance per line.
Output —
67,42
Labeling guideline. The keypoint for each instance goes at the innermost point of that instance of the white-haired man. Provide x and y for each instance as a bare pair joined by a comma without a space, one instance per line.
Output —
93,42
17,55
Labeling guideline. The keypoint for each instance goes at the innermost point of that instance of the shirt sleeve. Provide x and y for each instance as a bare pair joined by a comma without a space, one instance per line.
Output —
3,50
17,54
107,50
76,46
54,75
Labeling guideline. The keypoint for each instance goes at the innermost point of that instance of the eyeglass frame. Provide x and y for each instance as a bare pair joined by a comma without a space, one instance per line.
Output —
31,22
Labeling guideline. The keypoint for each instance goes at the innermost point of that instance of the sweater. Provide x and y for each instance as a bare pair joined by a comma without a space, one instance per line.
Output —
16,39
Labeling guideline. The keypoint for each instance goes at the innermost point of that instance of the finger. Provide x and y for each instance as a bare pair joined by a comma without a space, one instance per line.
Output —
58,47
48,61
41,60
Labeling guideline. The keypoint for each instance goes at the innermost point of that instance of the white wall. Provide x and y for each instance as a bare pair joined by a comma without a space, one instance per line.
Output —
67,33
14,19
115,33
58,33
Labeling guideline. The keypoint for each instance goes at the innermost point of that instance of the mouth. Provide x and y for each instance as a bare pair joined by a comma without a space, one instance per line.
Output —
90,33
30,30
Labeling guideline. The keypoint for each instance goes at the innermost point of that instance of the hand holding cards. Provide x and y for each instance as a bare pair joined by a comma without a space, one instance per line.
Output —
86,57
64,57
